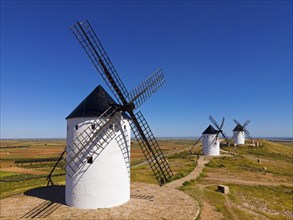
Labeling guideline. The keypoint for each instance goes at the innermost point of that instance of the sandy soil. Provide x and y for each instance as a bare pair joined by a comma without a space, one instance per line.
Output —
147,201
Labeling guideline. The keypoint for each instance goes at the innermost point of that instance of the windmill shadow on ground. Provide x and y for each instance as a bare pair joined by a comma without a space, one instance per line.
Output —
55,194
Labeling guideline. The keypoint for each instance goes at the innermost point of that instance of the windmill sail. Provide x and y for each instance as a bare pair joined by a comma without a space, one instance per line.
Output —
86,36
240,127
195,144
122,141
149,86
247,133
225,136
151,149
238,123
92,46
246,123
219,127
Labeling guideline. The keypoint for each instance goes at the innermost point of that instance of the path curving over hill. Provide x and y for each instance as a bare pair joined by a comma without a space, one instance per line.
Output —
192,175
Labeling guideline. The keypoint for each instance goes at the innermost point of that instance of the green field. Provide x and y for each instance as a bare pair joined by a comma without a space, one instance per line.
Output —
5,173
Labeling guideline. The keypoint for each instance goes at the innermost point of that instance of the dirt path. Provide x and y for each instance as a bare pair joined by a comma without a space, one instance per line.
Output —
193,175
209,212
22,170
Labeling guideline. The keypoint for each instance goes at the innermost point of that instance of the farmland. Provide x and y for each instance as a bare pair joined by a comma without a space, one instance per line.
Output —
27,167
259,178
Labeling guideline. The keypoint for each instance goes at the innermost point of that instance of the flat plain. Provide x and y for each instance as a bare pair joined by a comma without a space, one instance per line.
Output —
259,178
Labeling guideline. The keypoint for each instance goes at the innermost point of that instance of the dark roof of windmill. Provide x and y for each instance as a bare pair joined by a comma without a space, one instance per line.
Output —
95,104
210,130
238,128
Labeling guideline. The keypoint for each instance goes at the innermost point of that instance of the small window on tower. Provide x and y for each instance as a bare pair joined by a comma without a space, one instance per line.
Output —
93,127
89,159
124,127
76,127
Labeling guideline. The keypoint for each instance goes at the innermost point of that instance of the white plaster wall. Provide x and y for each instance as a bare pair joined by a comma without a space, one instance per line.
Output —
239,137
104,183
211,145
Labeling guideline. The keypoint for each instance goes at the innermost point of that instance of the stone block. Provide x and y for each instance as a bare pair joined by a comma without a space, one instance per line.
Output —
223,189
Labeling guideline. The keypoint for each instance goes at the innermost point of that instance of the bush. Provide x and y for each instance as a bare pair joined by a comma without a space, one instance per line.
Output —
188,183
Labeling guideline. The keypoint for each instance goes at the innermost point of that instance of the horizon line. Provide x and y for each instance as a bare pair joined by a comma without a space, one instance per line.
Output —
160,137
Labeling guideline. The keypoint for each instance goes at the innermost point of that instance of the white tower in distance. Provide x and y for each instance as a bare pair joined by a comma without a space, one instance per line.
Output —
210,142
238,135
210,138
240,131
97,176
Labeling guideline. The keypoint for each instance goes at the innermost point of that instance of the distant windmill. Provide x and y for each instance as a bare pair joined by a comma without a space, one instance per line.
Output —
98,135
210,138
240,131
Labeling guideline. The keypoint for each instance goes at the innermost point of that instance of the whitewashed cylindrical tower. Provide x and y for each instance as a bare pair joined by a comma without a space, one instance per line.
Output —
238,135
210,142
97,171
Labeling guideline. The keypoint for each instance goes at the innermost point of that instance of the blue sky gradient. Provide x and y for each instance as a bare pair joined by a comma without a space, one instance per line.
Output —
220,58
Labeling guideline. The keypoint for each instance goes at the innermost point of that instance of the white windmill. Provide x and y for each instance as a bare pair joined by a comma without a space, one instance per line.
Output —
98,134
210,138
240,131
102,168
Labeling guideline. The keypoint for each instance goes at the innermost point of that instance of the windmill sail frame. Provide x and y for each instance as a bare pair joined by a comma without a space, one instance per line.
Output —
86,36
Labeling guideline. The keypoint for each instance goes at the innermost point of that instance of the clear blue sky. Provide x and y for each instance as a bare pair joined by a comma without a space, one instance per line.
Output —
220,58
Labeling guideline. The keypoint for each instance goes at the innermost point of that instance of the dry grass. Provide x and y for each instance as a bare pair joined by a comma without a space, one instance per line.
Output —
255,192
181,165
35,149
52,148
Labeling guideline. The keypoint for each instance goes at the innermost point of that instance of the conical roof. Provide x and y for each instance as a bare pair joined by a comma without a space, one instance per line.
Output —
96,103
210,130
238,128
